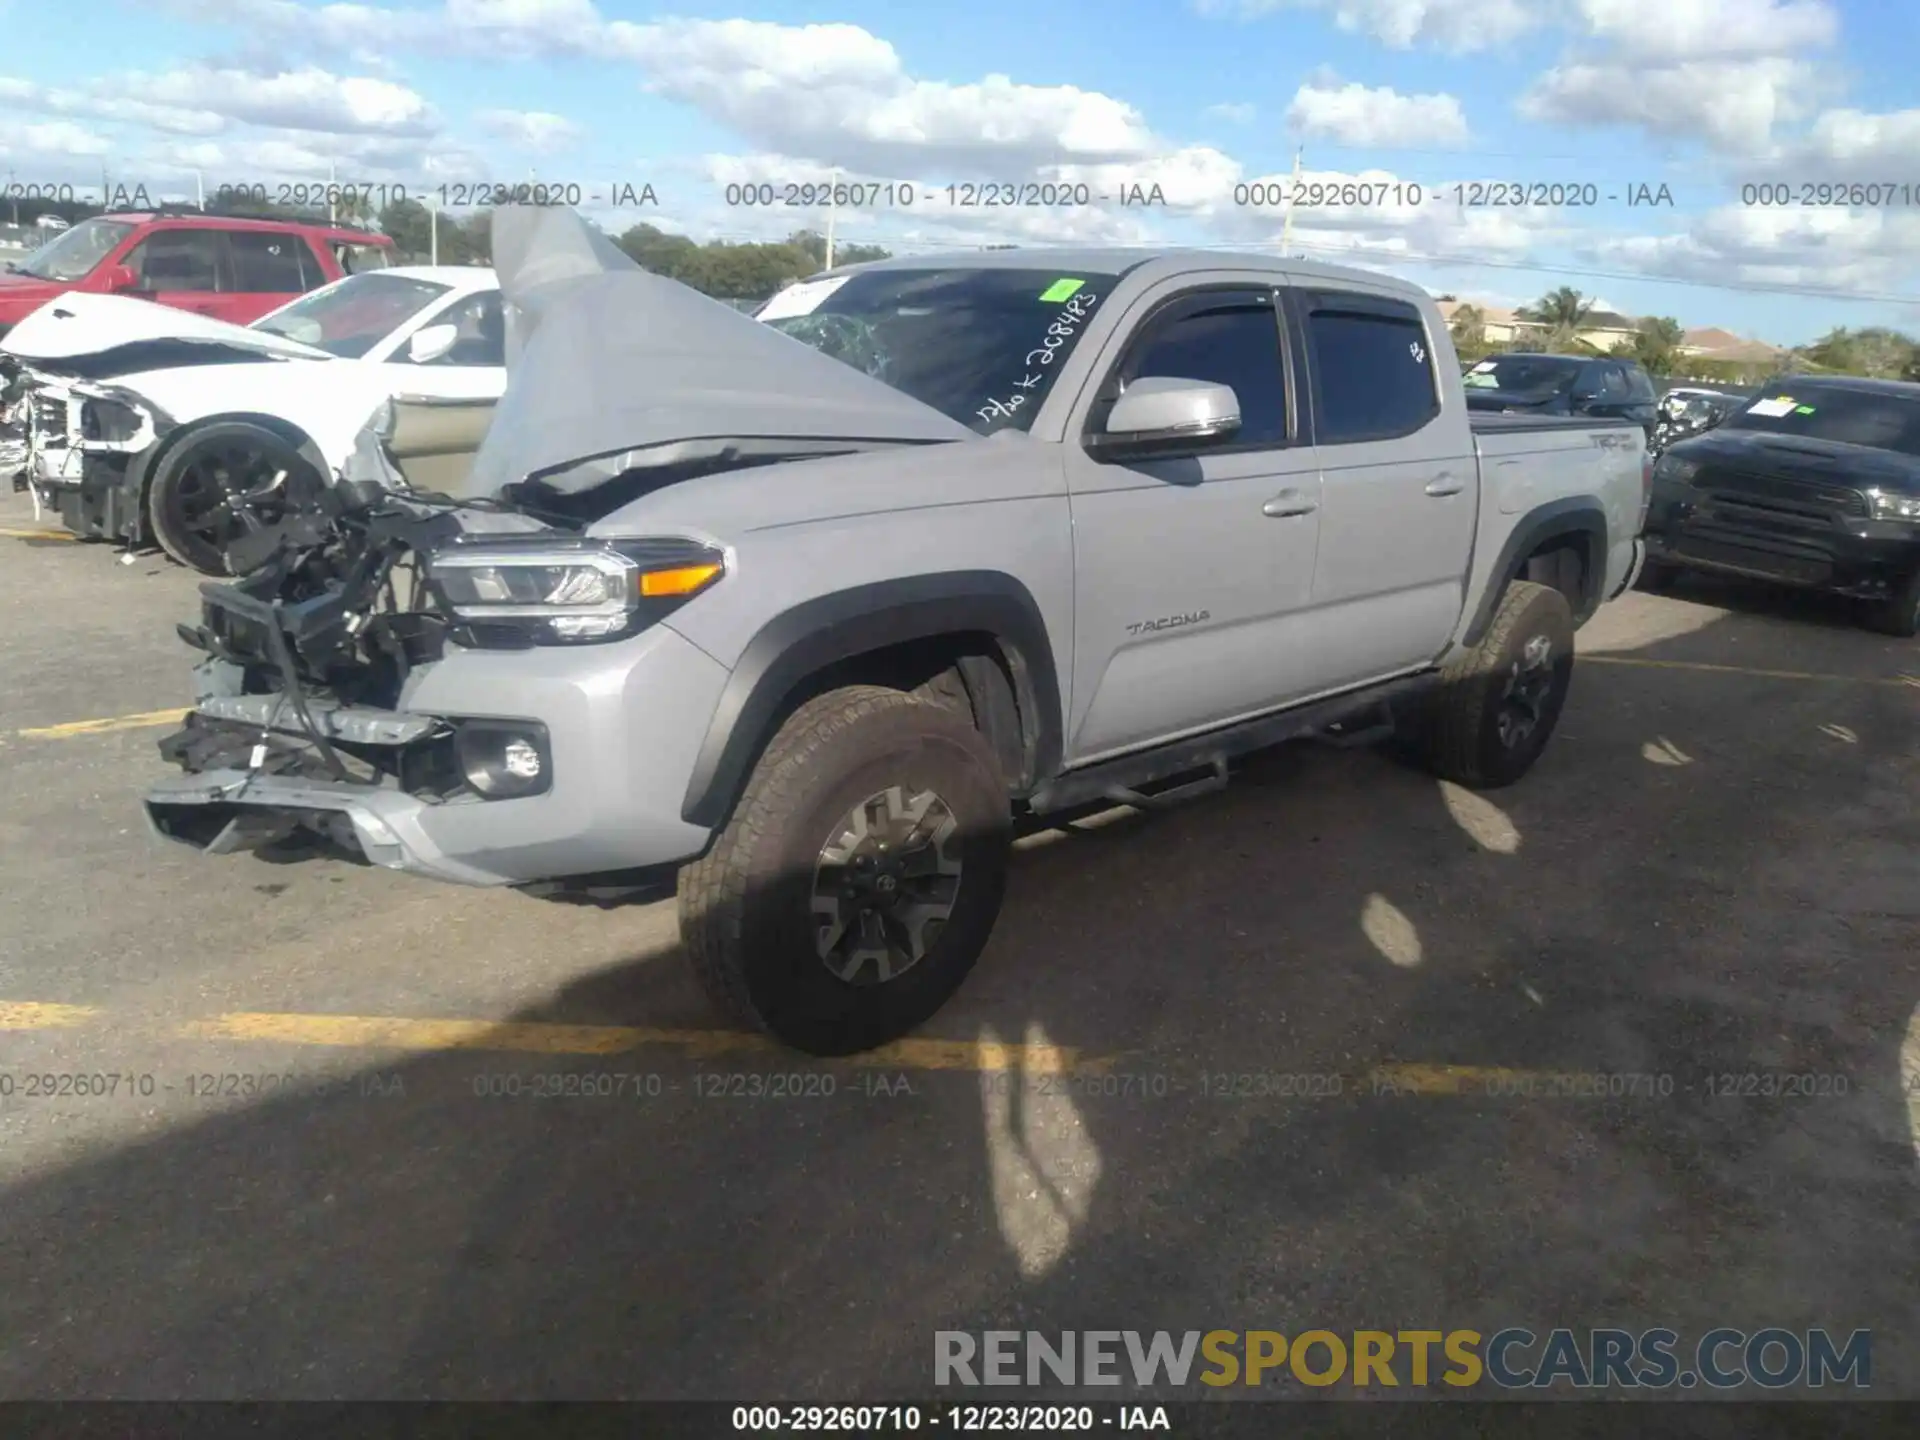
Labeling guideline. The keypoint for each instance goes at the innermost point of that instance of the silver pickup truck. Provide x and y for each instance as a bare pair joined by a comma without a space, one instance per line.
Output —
805,609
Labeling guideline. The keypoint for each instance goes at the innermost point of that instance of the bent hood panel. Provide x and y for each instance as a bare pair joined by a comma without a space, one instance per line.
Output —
77,326
605,359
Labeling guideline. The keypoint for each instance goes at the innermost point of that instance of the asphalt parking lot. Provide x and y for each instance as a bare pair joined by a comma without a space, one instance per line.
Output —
1710,874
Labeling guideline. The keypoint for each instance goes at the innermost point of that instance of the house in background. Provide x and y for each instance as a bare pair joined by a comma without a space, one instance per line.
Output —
1505,329
1724,345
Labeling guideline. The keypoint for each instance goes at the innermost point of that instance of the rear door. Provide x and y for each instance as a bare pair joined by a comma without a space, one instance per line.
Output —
1399,487
1193,570
186,268
269,269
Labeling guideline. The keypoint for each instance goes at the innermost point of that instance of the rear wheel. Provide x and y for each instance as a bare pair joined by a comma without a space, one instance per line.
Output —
1496,706
218,484
859,876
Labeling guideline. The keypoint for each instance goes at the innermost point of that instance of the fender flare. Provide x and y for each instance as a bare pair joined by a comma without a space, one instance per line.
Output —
801,642
1576,515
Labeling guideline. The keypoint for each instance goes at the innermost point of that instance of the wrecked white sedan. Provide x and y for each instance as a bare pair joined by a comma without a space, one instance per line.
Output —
155,426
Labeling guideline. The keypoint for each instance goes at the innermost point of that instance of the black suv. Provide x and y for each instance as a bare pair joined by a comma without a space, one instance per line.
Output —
1815,483
1564,385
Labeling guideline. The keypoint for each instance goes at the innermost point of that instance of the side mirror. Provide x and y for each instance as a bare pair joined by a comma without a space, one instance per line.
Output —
119,279
432,343
1165,411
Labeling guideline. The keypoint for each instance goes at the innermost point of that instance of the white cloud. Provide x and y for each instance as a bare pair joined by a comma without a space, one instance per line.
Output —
1672,30
55,139
1235,114
1352,114
536,130
1457,26
305,99
1732,104
1851,146
1831,249
26,95
839,91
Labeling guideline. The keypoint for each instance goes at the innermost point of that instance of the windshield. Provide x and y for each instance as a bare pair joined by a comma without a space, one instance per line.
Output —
1877,419
1523,374
349,317
981,346
74,254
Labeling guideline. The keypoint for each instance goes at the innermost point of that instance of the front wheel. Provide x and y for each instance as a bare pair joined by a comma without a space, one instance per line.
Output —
1496,706
1899,613
859,876
217,485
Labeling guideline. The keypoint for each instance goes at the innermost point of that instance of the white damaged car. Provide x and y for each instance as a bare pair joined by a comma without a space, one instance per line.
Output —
149,425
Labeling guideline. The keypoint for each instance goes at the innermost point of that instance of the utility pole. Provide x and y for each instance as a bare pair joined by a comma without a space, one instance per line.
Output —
330,178
832,209
433,230
15,194
200,189
1286,230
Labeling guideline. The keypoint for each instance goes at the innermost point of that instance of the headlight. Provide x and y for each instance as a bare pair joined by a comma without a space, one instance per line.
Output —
109,422
1674,470
555,592
1883,506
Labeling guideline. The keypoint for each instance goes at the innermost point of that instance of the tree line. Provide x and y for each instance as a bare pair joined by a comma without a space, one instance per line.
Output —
1555,322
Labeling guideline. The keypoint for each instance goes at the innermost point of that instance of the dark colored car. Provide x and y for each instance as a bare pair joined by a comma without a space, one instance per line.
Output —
1816,484
1530,384
231,269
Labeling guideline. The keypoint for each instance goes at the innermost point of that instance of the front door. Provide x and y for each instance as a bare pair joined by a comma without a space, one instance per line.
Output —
187,269
1192,571
474,369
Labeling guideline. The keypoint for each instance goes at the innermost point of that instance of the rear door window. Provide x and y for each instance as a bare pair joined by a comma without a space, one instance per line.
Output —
267,264
1373,370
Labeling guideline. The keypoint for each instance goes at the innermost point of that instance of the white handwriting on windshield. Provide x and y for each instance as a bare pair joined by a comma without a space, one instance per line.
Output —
1035,362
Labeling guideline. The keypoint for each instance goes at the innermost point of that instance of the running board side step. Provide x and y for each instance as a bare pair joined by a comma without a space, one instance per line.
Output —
1335,721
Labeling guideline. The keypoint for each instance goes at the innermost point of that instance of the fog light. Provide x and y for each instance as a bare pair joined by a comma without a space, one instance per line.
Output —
503,759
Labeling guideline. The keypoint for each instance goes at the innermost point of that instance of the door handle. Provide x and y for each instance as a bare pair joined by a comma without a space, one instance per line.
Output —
1446,484
1286,503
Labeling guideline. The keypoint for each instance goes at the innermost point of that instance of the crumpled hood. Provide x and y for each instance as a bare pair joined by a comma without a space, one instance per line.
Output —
77,326
612,369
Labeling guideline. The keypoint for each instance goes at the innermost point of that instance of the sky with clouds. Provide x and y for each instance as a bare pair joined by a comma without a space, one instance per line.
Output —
1414,123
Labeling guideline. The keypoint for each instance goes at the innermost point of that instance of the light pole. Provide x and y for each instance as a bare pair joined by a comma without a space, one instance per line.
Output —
832,210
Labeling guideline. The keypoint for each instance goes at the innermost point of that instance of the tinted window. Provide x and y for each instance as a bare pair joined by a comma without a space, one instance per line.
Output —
1231,340
1884,420
980,345
483,334
1373,373
266,263
1639,386
1613,384
178,260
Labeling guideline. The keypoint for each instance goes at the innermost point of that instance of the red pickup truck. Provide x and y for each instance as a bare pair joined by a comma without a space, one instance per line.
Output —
234,270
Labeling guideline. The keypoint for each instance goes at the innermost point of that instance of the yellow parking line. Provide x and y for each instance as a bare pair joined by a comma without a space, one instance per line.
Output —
33,1015
387,1032
142,721
1909,681
25,534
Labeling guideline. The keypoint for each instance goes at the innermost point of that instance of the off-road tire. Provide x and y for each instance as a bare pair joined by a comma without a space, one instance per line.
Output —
164,521
745,907
1657,576
1899,613
1460,736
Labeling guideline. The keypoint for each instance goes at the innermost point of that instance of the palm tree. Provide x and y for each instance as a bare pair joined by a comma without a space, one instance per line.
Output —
1560,314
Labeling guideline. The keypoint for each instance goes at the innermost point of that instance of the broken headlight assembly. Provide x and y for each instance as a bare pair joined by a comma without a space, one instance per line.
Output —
558,592
113,422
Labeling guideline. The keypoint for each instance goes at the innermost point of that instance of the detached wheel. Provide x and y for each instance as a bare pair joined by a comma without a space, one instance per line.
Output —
1899,613
859,876
1495,707
218,484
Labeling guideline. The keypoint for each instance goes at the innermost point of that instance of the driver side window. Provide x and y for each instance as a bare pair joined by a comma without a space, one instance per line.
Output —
482,332
1227,337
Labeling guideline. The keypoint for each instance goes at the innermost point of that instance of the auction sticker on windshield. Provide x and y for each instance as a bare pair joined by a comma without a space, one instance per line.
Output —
802,299
1060,291
1773,409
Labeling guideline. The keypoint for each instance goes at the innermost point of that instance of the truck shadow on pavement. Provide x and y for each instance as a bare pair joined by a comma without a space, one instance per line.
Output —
1330,920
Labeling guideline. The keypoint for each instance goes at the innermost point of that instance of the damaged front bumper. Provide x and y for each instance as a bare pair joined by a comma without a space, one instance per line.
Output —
93,483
